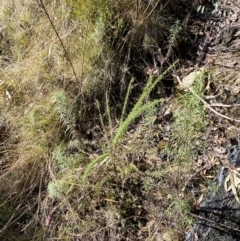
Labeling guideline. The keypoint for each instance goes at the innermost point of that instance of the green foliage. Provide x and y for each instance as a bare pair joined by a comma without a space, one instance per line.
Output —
93,163
42,163
89,9
189,120
64,161
139,108
174,32
189,124
37,129
85,46
127,170
60,188
66,113
109,115
181,209
59,157
149,184
129,120
126,100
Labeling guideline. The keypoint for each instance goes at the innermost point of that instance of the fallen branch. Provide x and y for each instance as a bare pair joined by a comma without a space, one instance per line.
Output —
204,102
223,105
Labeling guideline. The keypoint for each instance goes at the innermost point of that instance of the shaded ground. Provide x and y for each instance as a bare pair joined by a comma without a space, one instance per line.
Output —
222,39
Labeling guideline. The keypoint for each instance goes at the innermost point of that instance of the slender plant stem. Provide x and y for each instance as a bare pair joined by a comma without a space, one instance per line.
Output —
40,2
203,101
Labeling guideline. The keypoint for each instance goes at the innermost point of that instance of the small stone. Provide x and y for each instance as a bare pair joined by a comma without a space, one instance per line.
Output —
190,79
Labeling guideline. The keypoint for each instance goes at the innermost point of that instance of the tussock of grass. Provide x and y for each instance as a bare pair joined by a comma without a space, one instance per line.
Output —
138,109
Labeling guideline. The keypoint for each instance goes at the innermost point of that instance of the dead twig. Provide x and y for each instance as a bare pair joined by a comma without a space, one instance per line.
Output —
223,105
203,101
48,219
191,177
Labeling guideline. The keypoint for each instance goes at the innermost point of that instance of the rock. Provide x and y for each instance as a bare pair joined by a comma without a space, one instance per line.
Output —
190,79
219,214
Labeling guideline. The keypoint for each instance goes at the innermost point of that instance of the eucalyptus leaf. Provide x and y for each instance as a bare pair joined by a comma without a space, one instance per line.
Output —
234,179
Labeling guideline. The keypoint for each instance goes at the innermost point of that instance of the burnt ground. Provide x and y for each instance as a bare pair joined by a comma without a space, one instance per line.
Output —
221,40
219,51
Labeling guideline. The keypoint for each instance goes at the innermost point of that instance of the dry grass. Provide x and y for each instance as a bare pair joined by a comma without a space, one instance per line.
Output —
45,144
